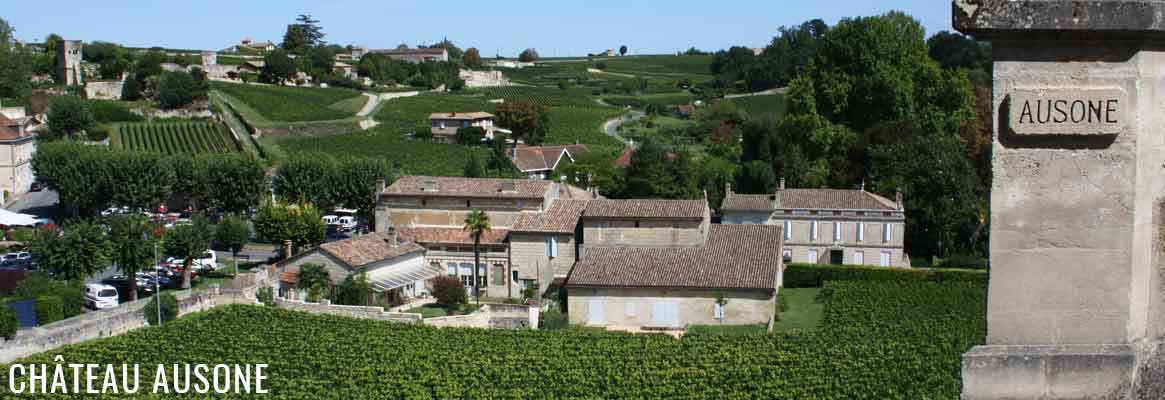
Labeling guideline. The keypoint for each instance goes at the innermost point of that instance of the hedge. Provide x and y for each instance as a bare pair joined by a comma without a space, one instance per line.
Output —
8,322
815,275
49,309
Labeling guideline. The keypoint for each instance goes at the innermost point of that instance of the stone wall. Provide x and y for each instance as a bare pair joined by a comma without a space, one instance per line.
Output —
108,322
643,233
632,307
325,307
103,90
530,258
494,316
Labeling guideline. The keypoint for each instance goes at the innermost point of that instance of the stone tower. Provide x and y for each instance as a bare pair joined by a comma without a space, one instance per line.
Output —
69,63
209,58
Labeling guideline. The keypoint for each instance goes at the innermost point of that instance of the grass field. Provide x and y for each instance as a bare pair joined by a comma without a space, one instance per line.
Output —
412,156
174,137
804,312
884,340
292,104
773,104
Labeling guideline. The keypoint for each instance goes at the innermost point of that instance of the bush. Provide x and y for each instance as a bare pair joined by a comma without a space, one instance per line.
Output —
423,133
169,309
964,261
814,275
49,309
69,115
8,322
97,133
471,135
38,285
266,295
553,320
106,111
175,90
449,291
782,305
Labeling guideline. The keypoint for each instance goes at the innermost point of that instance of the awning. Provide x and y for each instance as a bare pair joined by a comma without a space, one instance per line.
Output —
10,218
392,277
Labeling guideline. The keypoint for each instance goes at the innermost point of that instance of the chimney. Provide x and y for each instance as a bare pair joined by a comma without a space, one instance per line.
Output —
898,198
781,186
380,186
727,189
391,239
429,185
777,195
286,249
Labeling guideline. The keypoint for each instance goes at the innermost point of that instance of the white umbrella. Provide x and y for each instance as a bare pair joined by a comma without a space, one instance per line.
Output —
10,218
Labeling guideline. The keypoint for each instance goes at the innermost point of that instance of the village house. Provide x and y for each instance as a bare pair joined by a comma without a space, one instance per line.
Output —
415,56
444,126
827,226
545,245
248,45
645,223
539,161
17,146
730,278
394,268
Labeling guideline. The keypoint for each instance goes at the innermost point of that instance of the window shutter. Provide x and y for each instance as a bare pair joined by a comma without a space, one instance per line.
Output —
788,230
813,233
837,231
861,231
886,233
552,249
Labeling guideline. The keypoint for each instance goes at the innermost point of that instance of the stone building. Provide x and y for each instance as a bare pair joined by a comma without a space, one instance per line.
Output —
544,246
540,161
17,146
827,226
415,56
69,71
444,126
670,288
645,223
394,268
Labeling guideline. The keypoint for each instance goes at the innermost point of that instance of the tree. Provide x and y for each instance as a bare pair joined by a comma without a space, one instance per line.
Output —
175,90
623,50
132,241
6,32
299,223
528,55
136,180
454,51
233,233
315,280
169,309
303,35
954,50
477,223
472,58
323,60
232,183
76,252
278,68
470,135
188,241
69,115
474,168
354,291
131,90
757,177
528,121
16,64
449,292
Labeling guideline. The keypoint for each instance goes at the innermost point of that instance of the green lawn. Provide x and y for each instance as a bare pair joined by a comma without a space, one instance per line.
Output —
773,104
804,312
351,105
290,104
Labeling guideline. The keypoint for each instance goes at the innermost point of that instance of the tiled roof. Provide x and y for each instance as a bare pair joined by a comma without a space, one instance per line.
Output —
562,217
647,208
409,51
367,249
540,158
450,235
289,276
827,199
461,115
734,257
9,129
470,187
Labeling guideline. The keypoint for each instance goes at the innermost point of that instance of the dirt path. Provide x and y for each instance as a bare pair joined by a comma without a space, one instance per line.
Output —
611,127
780,90
373,103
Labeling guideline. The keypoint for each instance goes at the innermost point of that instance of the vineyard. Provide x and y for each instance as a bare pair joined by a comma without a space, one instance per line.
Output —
412,156
292,104
773,104
886,340
174,137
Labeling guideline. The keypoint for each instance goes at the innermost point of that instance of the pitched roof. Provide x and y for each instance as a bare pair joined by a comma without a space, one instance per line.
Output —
367,249
541,158
562,217
734,257
647,208
409,51
468,187
9,129
450,235
826,199
461,115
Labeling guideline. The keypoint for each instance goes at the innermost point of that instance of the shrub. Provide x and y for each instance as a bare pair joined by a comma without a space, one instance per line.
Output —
169,308
69,115
471,135
266,295
8,322
106,111
97,133
423,133
782,305
449,291
49,309
37,285
553,320
814,275
965,261
175,90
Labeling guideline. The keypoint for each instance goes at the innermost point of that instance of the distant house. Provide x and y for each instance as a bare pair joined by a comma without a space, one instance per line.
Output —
445,125
416,56
252,66
345,70
686,110
17,146
394,268
827,226
669,288
539,161
249,45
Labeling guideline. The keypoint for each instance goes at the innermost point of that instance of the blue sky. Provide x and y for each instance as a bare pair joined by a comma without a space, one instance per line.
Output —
507,26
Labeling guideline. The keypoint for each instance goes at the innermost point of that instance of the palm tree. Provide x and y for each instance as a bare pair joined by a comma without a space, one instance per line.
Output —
315,280
476,224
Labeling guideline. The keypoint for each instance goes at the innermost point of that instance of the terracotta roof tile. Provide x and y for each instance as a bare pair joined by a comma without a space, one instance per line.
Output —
734,257
461,115
450,235
469,187
647,208
826,199
562,217
9,129
540,158
367,249
289,276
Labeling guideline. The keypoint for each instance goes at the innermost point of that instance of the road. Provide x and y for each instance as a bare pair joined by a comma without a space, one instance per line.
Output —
611,127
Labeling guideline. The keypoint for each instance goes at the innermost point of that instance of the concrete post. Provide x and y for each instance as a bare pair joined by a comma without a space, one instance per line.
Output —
1075,305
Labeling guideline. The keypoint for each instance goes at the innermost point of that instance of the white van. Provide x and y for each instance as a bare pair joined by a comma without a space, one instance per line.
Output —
100,296
209,261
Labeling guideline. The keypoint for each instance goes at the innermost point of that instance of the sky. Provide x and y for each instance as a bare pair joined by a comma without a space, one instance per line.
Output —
505,27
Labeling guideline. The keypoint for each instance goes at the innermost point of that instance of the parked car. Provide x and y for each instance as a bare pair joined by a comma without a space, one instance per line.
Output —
36,186
330,219
121,283
100,296
209,260
347,223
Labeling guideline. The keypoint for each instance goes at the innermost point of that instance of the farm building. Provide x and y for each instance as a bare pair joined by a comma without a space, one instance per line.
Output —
731,278
17,146
827,226
445,125
416,56
395,268
248,45
539,161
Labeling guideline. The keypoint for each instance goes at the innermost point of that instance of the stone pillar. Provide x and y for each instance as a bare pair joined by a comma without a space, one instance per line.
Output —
1075,299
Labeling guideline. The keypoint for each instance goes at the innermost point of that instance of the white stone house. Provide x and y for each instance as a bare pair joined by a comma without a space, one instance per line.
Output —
394,268
827,226
415,56
17,146
545,245
444,126
675,287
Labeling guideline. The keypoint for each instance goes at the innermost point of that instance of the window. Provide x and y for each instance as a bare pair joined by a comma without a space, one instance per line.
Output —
885,259
631,308
636,224
552,246
452,269
788,254
837,231
468,204
499,274
886,233
859,258
813,256
514,274
719,311
861,231
813,231
788,230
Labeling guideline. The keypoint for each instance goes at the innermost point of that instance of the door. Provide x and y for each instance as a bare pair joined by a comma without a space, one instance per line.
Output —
859,258
813,256
836,257
885,259
665,313
595,312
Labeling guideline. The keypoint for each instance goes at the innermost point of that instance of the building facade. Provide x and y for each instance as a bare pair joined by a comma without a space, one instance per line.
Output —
538,162
415,56
69,71
394,268
444,126
17,146
827,226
